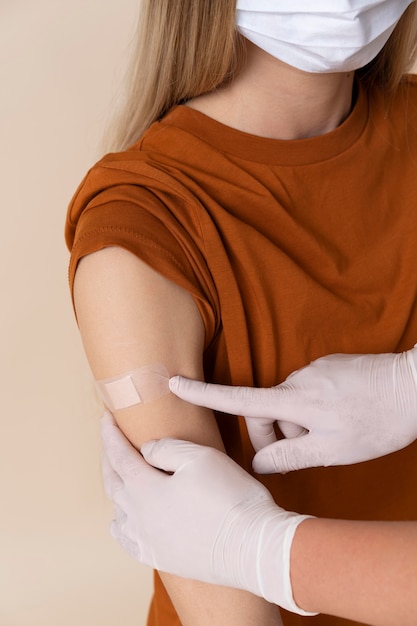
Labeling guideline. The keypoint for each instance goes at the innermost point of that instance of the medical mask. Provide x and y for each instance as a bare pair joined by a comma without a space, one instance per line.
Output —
320,35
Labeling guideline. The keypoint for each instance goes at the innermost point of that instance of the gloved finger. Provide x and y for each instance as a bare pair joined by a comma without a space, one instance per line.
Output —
117,524
247,401
122,456
119,519
111,480
107,418
170,454
261,432
120,528
288,455
131,547
290,430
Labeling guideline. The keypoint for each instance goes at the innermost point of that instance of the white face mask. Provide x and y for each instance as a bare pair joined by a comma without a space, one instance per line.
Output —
320,35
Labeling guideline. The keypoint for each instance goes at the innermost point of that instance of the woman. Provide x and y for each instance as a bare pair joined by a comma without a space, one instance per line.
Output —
265,221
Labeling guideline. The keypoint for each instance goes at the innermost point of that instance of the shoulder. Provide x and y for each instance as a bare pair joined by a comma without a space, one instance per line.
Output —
139,182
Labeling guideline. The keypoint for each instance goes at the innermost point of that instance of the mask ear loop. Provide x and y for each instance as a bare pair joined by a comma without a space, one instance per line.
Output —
139,386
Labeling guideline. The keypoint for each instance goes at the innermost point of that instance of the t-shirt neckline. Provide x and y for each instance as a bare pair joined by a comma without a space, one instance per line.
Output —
273,151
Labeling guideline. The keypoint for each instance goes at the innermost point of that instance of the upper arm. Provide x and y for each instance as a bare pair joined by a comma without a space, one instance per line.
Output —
130,316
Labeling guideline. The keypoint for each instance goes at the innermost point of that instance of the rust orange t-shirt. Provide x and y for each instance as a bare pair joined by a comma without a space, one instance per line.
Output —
292,250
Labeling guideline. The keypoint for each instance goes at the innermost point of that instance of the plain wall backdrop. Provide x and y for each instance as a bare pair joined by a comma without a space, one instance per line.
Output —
60,66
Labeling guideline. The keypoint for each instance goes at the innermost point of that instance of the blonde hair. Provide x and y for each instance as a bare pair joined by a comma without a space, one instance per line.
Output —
184,49
397,56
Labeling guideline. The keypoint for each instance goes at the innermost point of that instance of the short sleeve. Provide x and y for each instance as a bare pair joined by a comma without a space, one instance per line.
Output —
151,219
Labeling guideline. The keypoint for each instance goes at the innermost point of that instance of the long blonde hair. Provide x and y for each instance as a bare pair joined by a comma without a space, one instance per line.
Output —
189,47
397,56
182,49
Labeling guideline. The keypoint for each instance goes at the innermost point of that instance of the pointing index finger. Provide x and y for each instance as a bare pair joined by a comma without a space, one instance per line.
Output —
247,401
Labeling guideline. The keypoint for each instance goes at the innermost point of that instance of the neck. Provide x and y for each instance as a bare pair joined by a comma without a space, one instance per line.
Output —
272,99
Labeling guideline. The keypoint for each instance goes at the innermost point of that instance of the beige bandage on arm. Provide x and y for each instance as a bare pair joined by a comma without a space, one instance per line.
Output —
139,386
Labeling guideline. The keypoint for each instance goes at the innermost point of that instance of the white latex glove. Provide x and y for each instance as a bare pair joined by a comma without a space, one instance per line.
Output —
353,408
209,520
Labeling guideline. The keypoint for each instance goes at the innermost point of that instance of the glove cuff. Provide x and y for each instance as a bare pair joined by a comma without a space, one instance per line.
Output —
252,551
274,562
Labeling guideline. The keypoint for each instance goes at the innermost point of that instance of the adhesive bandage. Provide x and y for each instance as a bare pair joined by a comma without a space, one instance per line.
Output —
139,386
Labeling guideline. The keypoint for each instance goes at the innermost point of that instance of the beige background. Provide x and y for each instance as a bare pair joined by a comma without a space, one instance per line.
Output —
58,565
59,70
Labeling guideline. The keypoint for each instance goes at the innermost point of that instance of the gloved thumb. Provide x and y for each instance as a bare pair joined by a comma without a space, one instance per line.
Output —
120,456
288,455
168,454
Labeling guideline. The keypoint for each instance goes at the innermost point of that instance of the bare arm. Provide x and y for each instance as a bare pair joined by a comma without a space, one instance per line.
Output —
363,571
130,316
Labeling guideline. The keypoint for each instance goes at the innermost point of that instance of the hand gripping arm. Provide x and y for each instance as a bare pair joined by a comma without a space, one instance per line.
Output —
362,571
207,519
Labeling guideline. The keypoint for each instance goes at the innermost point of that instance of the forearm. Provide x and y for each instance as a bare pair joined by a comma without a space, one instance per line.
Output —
200,604
364,571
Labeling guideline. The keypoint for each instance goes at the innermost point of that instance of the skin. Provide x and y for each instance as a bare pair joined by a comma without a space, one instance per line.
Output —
363,571
159,322
271,99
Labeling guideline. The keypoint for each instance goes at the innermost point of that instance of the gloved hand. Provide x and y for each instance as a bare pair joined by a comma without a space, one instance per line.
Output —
209,520
353,408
